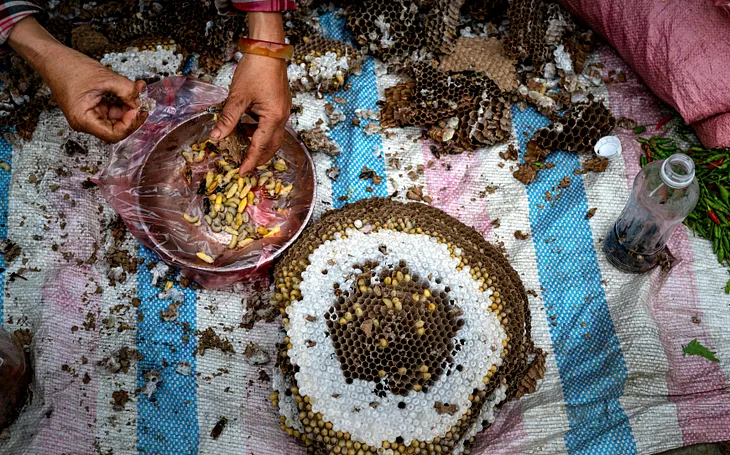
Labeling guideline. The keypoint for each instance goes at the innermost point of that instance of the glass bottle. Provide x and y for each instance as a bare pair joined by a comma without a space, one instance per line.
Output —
14,378
664,193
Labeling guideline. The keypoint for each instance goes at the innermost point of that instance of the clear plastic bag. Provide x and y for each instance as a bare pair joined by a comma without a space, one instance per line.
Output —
14,378
147,183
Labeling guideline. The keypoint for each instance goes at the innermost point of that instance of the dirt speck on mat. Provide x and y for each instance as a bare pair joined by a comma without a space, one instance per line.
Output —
596,164
208,339
119,399
218,428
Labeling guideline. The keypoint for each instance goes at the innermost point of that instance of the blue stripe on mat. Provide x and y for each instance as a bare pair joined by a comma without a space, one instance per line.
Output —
358,149
6,155
168,422
587,351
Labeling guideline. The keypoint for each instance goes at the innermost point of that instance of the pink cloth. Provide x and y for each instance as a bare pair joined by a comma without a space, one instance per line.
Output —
681,48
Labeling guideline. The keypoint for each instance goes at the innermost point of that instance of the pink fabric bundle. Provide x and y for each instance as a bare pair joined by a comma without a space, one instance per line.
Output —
681,48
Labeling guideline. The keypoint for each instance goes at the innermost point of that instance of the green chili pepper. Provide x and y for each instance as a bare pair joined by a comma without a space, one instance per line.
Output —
643,161
720,255
639,129
642,140
724,194
663,140
727,287
668,148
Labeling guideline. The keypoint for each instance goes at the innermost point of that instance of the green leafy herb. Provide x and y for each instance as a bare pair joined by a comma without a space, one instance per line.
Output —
695,348
639,129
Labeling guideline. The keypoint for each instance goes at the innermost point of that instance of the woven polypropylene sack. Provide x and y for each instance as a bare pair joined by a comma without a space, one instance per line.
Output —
680,49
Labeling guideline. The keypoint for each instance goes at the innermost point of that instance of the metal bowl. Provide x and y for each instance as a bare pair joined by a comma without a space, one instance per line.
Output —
163,195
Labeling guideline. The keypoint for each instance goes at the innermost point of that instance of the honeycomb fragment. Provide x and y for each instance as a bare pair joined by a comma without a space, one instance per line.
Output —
376,326
526,39
205,31
578,130
87,40
397,101
462,110
483,55
580,46
440,95
322,64
441,22
560,22
388,29
484,10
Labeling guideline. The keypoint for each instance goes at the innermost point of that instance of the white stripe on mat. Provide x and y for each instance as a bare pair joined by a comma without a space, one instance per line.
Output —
313,112
230,387
397,148
544,418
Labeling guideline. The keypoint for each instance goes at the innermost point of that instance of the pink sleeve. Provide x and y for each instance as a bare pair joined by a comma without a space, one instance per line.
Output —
264,5
11,12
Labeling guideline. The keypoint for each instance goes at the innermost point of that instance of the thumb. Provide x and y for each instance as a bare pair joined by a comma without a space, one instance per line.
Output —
125,89
228,118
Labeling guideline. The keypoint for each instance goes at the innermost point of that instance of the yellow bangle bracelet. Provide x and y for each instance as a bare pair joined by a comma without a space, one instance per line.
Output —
266,48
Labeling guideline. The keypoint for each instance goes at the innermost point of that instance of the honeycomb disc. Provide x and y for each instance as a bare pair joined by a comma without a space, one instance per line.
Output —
404,330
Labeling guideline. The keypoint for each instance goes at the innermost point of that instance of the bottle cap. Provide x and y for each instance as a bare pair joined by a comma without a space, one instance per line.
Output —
608,147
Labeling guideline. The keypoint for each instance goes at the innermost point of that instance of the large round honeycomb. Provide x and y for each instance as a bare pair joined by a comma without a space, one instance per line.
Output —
404,330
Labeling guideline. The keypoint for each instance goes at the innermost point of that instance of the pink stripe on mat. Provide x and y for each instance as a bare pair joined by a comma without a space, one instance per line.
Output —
696,386
70,422
505,435
452,181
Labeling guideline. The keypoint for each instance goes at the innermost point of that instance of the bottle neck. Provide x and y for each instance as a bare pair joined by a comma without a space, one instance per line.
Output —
678,171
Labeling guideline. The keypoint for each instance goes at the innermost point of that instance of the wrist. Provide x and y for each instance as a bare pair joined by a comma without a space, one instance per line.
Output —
34,44
266,27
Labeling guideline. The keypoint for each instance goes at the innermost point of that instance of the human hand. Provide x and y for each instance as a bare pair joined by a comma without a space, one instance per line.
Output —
79,83
260,88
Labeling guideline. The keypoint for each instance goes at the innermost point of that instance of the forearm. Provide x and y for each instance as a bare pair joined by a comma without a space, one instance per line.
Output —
266,26
32,42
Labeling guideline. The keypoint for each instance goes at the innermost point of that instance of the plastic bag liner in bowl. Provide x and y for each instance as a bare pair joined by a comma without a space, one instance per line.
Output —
144,181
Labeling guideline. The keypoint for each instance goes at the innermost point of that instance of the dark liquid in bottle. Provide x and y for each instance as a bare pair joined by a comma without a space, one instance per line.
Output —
624,258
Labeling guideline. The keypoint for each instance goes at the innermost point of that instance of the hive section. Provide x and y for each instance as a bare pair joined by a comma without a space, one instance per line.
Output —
483,55
578,130
441,22
461,110
393,387
484,10
397,336
526,40
388,29
322,64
